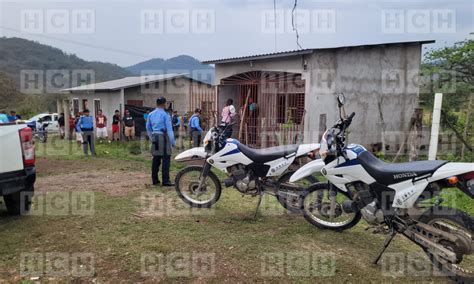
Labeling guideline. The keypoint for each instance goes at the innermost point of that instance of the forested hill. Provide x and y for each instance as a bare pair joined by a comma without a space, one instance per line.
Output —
18,54
179,64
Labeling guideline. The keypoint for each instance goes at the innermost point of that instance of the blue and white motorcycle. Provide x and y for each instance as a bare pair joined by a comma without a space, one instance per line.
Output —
402,198
251,171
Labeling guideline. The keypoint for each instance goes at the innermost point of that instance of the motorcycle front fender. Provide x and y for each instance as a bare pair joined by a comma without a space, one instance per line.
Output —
191,154
307,170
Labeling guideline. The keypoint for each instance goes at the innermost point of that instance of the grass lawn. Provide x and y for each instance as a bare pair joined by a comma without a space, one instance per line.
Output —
130,231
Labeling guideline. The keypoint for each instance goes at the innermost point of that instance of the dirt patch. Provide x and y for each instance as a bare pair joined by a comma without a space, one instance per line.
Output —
114,183
166,204
55,166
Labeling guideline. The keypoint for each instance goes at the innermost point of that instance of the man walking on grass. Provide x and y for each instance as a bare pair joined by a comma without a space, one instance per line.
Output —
85,126
160,131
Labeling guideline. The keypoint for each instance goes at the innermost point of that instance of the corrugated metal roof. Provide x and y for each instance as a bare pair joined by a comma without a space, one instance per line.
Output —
301,51
126,82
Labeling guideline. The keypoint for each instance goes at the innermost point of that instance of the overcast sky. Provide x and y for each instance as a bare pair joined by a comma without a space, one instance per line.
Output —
129,31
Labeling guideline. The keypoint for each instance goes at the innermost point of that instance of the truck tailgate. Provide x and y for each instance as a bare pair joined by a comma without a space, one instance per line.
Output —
11,156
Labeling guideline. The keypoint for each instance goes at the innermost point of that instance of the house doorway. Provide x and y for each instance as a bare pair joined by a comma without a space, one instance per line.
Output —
270,105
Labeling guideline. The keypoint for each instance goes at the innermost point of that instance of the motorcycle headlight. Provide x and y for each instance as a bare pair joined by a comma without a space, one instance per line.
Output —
208,137
326,143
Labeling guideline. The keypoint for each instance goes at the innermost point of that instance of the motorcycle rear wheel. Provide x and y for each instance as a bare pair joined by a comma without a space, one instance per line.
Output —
187,186
457,222
295,205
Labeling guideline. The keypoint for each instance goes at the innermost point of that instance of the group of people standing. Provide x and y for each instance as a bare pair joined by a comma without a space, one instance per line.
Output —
83,125
12,117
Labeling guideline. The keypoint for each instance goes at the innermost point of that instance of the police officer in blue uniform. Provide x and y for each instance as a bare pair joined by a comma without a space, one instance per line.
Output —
85,126
160,131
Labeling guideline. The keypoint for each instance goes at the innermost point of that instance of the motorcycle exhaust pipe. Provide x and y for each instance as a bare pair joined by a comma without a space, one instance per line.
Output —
228,182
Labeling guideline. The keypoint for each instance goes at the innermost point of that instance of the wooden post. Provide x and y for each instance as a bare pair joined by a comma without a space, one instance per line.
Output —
435,126
67,115
181,134
59,106
122,113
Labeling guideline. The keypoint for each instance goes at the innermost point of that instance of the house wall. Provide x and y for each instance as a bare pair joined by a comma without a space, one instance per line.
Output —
202,96
370,77
109,101
177,91
379,84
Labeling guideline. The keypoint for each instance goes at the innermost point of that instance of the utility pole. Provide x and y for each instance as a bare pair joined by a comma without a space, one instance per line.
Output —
435,126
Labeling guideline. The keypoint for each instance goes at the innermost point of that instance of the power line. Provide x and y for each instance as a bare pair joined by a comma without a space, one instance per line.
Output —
295,24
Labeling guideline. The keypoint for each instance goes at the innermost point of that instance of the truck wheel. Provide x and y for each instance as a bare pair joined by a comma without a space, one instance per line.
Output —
19,203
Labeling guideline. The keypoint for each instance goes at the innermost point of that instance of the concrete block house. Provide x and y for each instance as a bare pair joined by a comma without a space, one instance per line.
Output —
294,92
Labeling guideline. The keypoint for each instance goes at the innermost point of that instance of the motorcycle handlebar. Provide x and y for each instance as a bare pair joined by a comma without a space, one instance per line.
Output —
342,124
351,116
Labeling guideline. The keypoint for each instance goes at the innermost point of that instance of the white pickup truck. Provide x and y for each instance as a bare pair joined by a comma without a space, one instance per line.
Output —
17,167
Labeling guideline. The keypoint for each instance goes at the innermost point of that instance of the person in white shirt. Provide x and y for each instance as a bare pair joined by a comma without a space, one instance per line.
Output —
228,114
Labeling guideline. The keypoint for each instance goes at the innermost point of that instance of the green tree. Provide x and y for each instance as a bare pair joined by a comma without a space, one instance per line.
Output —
450,70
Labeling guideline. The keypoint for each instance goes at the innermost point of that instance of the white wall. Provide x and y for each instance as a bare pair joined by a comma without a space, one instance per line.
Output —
109,101
361,74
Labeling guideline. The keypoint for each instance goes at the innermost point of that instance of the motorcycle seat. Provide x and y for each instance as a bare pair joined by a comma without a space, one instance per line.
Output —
265,155
386,173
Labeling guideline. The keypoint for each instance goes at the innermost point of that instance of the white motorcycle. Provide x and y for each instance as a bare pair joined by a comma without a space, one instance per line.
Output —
397,198
251,171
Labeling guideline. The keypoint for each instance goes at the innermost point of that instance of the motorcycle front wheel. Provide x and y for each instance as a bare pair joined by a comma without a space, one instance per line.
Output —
320,212
198,187
42,138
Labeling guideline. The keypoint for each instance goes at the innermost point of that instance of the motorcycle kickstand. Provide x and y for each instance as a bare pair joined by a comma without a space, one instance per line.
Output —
258,205
387,242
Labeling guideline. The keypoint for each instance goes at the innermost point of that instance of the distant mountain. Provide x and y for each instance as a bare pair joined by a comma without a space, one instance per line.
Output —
180,64
17,54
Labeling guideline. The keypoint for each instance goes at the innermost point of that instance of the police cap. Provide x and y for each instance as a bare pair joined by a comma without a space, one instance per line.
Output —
160,100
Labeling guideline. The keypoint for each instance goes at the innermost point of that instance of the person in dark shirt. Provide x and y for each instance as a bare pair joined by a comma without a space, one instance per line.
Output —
72,125
116,126
61,124
129,124
176,122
